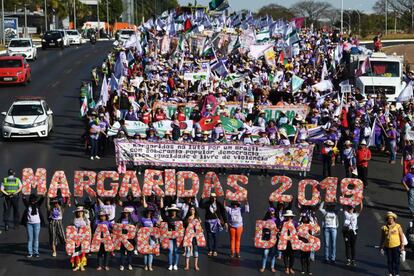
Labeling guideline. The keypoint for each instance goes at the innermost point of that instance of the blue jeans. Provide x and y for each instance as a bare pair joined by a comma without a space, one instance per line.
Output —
329,234
125,254
33,230
211,239
194,248
393,150
94,147
149,257
173,255
266,253
411,200
378,140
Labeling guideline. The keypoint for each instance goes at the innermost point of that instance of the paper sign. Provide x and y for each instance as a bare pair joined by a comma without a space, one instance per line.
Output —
129,183
288,233
211,181
58,182
330,185
316,196
240,193
102,235
258,236
118,238
152,182
194,230
195,184
170,186
305,232
277,195
100,188
354,196
166,235
76,238
143,240
83,180
34,181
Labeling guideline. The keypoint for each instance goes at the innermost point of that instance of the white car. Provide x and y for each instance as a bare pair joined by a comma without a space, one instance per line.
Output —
74,37
22,47
28,117
66,40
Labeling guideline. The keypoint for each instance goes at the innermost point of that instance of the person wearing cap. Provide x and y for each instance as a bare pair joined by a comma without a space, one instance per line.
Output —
330,225
55,209
350,232
349,159
191,215
11,188
289,252
391,243
327,157
215,221
148,220
171,219
103,260
234,214
363,155
79,258
126,219
408,183
269,252
33,219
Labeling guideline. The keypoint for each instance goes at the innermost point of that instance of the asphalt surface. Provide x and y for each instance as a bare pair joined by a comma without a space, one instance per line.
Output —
57,76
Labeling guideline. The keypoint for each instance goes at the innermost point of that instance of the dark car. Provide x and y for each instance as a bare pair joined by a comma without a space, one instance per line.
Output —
53,39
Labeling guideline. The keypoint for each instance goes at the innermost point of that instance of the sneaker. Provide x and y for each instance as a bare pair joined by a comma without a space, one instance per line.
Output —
348,262
29,255
136,252
170,268
175,267
91,157
146,268
130,267
121,268
302,272
36,255
150,268
6,228
54,254
353,263
97,157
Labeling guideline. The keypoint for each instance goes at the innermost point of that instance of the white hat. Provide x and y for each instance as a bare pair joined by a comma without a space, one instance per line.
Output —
128,210
173,208
289,213
329,142
363,142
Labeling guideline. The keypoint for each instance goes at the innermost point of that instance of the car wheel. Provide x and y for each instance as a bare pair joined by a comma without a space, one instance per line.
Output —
34,57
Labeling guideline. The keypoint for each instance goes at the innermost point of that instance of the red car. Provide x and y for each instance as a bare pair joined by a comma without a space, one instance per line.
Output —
14,70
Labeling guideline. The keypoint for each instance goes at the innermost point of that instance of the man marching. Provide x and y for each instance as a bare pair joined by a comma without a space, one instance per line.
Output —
11,187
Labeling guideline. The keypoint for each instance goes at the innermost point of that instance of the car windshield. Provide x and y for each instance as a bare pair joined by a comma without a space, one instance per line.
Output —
26,110
52,35
72,32
19,43
128,32
385,69
10,63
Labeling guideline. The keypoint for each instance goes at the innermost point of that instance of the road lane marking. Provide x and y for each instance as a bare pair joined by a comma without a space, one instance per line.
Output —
380,221
78,62
68,71
3,271
55,84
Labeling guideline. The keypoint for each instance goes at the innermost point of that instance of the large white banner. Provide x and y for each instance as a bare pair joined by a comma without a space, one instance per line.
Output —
210,155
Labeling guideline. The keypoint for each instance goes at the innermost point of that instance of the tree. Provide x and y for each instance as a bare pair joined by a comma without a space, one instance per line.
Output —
397,10
115,9
312,10
147,9
276,11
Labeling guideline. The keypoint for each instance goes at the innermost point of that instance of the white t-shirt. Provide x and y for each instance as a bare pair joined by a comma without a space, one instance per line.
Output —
32,219
351,220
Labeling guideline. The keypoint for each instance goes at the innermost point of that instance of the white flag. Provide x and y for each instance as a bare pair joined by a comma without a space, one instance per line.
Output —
406,94
324,71
371,141
104,97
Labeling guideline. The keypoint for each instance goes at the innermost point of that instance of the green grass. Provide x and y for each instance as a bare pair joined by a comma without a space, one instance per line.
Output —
390,37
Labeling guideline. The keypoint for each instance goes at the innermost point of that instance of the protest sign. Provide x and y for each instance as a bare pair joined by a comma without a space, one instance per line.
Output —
272,112
209,155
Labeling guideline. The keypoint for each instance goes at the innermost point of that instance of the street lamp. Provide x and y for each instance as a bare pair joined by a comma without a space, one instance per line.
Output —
107,14
359,22
74,14
386,17
45,13
2,23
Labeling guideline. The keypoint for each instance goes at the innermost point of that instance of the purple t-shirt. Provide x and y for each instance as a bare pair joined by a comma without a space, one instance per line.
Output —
409,180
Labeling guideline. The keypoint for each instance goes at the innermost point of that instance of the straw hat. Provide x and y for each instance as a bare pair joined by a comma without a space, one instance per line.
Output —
329,143
173,208
127,210
79,209
289,213
391,214
347,143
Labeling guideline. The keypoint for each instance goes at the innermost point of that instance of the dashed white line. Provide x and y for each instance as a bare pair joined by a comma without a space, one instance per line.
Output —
68,71
55,84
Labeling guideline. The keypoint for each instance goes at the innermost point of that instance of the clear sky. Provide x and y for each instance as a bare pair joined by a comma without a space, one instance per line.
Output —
254,5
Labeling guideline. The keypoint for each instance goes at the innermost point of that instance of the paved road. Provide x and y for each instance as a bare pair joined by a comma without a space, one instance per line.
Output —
57,76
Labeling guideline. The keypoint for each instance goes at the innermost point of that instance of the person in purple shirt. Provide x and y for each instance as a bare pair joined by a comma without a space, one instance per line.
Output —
356,135
131,115
392,142
408,183
235,222
148,220
126,219
378,130
103,259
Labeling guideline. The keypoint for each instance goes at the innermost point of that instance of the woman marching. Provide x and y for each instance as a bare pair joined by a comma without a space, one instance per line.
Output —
103,260
55,208
193,249
173,254
392,237
78,259
126,219
148,220
289,253
235,221
350,231
269,252
32,218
